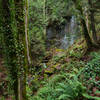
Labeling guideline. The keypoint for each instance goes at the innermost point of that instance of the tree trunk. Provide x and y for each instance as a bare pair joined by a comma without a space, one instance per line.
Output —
21,19
9,44
92,20
26,31
83,23
87,19
85,30
44,14
14,38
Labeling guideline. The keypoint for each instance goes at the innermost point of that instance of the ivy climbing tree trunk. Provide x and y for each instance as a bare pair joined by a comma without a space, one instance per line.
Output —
21,18
9,39
14,37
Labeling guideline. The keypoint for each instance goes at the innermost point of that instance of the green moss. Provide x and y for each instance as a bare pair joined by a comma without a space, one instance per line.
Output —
49,70
78,49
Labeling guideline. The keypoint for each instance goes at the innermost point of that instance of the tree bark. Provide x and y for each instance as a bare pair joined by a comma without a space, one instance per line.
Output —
92,20
83,23
21,18
26,31
9,44
44,14
87,19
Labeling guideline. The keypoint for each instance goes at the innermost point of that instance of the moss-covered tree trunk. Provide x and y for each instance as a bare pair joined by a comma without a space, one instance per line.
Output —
44,17
20,6
85,29
1,29
13,22
9,39
26,31
92,21
83,23
87,18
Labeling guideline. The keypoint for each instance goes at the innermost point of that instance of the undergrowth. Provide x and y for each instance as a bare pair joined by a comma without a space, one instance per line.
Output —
79,83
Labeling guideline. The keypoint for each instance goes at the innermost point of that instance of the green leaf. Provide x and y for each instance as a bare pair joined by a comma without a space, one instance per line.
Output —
91,97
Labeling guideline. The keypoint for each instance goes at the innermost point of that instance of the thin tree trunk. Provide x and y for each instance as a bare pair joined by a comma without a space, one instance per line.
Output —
87,19
44,14
19,91
26,31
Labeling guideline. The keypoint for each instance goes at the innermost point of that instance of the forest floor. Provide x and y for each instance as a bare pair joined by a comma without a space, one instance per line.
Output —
67,62
56,62
3,81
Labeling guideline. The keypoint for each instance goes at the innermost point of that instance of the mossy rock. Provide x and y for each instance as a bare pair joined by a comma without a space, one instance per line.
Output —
59,56
49,70
53,68
78,49
60,50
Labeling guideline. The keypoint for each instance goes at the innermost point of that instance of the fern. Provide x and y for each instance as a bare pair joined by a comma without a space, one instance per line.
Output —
91,97
62,87
71,90
56,79
64,97
66,86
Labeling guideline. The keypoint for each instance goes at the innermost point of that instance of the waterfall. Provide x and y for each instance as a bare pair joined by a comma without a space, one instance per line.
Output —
72,24
69,35
64,42
64,35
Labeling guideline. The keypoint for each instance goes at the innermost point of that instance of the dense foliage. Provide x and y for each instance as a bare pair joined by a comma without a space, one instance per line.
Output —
72,86
41,15
31,68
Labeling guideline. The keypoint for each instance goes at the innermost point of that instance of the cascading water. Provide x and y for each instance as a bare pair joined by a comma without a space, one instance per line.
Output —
72,24
64,36
69,34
